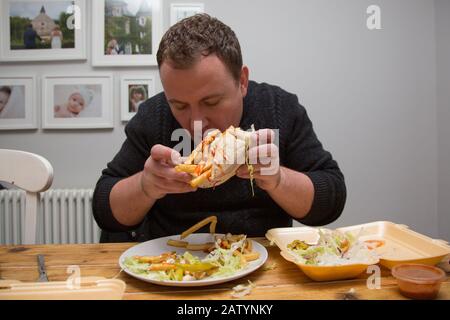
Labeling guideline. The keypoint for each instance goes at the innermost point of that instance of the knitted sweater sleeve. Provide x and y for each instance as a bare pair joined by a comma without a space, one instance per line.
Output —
127,162
305,153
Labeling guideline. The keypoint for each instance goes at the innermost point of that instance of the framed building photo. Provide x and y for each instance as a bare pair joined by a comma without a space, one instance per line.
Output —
78,102
179,11
126,32
38,30
17,102
134,91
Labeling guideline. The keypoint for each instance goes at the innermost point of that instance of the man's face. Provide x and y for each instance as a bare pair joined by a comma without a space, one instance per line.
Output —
205,92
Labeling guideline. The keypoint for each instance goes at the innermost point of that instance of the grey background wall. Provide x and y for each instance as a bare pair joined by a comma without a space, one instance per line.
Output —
374,97
443,112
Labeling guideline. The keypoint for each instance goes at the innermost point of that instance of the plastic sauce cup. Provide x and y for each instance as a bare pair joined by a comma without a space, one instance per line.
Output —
418,281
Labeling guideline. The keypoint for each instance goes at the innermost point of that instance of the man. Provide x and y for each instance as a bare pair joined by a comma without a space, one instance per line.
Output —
204,79
29,37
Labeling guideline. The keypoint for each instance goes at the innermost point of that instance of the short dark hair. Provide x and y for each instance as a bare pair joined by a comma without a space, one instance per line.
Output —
6,90
200,35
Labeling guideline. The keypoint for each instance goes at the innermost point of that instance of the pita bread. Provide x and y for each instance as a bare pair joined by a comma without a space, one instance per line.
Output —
217,158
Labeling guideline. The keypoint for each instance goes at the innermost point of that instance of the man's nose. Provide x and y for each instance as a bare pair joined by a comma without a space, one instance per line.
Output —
198,120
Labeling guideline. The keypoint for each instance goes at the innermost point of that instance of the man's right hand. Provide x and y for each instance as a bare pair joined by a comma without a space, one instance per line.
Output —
159,176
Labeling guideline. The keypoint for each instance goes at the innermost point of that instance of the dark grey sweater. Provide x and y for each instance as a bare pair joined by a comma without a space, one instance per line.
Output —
265,106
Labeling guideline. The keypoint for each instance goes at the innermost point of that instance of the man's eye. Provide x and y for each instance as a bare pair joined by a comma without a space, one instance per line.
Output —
179,107
211,103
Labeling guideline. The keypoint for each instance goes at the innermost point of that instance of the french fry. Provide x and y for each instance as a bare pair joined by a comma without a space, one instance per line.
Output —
235,237
199,170
177,243
206,167
188,168
154,259
212,227
241,256
200,179
199,275
251,256
210,248
199,247
162,267
197,226
249,246
191,157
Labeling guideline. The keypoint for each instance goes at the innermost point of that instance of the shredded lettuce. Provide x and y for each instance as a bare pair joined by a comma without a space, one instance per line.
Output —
189,258
333,248
142,269
228,263
250,167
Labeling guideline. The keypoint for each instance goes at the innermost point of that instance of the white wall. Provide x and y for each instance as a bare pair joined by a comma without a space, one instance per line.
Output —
443,112
371,96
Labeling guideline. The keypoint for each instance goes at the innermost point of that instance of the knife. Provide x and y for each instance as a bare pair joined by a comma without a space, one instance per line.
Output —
41,268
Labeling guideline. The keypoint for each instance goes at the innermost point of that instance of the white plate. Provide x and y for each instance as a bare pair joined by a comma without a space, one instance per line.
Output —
157,246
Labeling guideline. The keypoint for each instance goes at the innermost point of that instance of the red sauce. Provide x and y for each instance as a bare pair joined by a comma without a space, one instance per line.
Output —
419,274
373,244
418,281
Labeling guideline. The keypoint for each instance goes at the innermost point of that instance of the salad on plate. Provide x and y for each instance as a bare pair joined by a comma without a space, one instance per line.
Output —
225,257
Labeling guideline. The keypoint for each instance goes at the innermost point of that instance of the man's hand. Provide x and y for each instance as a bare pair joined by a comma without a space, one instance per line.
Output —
264,156
159,176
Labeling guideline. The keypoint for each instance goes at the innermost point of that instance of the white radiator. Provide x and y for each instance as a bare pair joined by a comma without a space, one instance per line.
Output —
65,217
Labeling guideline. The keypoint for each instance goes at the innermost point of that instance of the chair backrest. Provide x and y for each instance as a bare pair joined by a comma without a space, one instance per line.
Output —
32,173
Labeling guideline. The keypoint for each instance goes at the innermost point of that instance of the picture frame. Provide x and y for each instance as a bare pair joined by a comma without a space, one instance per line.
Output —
18,102
77,102
127,32
29,30
134,89
179,11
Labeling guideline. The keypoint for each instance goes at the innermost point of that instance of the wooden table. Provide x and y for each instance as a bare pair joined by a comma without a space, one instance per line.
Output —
285,282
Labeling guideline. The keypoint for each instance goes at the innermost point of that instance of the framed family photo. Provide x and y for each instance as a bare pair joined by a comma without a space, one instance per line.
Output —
126,32
179,11
77,102
134,91
17,102
38,30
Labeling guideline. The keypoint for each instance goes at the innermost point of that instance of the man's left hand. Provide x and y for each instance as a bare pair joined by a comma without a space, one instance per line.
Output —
265,159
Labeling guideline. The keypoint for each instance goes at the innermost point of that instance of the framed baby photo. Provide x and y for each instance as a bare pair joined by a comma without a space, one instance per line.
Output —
42,30
126,32
134,91
77,102
17,102
179,11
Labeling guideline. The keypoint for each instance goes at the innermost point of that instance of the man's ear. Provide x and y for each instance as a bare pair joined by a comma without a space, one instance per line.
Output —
243,81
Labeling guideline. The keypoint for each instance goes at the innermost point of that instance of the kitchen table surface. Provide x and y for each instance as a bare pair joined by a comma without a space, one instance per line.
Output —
277,279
